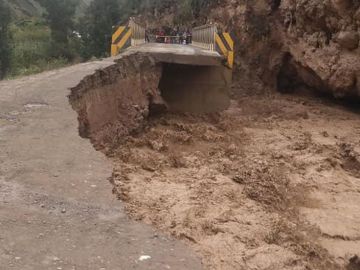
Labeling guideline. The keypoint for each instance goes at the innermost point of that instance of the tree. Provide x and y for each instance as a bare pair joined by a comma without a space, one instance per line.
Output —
5,49
97,25
200,5
60,15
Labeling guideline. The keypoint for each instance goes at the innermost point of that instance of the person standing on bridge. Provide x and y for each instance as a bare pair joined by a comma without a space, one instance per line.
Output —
147,38
184,38
188,37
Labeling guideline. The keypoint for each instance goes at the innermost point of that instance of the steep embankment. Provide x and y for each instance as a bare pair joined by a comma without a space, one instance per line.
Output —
115,101
290,43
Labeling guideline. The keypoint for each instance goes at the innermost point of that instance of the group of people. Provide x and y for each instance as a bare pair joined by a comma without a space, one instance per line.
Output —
170,36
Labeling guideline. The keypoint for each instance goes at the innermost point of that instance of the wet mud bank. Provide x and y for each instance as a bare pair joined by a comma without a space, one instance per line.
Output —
113,102
116,101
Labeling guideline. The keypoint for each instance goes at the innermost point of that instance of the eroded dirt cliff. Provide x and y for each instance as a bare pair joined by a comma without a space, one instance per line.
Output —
115,101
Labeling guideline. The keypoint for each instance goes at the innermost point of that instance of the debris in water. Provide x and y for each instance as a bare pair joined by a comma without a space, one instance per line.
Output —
144,258
35,105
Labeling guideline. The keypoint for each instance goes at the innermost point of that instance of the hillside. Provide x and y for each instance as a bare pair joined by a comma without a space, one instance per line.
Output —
31,8
25,8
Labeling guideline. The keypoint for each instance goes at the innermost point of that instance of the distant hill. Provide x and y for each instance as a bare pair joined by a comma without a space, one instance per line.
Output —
25,8
31,8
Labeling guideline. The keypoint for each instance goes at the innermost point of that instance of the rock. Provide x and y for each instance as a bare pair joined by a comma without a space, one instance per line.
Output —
341,4
325,134
63,210
354,263
157,145
342,81
148,167
357,15
144,258
348,39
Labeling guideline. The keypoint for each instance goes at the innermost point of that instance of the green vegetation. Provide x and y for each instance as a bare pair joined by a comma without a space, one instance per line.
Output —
31,49
47,34
60,18
5,39
24,8
96,27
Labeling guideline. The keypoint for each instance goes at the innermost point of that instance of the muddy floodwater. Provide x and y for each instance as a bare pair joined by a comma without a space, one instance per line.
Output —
271,183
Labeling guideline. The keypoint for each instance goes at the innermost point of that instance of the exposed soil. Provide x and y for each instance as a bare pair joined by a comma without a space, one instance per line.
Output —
272,183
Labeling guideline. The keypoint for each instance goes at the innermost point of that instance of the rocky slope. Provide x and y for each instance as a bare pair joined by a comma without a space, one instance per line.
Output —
291,43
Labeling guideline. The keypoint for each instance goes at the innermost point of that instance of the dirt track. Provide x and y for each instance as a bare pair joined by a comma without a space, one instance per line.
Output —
56,206
272,183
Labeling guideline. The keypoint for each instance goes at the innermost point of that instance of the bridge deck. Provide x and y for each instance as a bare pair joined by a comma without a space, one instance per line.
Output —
179,54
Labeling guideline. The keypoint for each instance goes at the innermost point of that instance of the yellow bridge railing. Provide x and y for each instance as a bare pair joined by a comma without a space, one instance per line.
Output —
206,37
225,44
126,36
138,33
209,38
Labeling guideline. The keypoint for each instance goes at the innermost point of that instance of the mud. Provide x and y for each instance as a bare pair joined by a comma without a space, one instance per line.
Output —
271,183
115,101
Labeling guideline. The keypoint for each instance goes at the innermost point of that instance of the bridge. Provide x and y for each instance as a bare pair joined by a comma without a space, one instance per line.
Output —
209,46
196,76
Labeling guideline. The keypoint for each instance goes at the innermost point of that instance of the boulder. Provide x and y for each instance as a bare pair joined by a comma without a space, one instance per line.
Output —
341,4
348,39
343,82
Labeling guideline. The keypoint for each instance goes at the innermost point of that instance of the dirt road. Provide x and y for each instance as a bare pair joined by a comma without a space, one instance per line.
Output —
56,206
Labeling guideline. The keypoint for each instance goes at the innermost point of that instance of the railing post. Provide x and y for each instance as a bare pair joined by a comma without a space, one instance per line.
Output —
120,39
204,37
138,33
209,38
